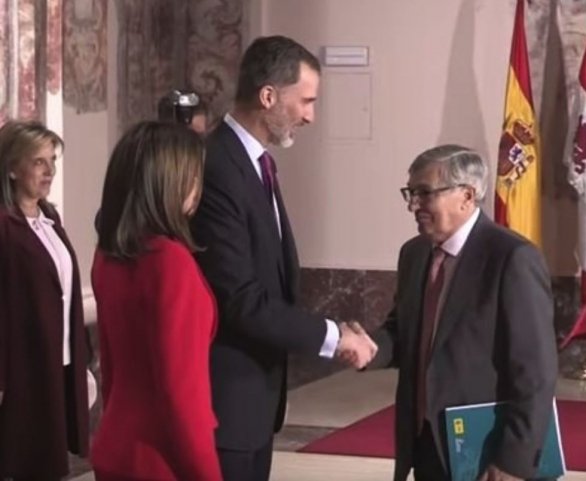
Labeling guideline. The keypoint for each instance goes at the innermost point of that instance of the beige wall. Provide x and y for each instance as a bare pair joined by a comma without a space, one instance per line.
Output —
88,141
437,74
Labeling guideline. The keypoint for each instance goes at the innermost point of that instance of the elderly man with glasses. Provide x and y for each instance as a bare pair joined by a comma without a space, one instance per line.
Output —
472,323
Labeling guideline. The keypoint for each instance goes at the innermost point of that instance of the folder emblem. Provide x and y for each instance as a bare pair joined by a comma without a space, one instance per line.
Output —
458,426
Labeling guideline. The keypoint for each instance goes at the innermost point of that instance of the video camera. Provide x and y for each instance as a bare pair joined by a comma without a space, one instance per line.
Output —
180,107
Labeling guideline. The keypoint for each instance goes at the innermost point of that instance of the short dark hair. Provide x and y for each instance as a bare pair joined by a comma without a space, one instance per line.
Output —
273,61
151,172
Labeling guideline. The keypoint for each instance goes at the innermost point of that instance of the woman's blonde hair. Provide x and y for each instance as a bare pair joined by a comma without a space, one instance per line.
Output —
18,140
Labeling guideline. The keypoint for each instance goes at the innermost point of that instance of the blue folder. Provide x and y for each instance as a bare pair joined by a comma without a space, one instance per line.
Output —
473,431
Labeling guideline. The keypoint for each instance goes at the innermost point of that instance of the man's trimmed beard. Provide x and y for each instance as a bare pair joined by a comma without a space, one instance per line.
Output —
279,127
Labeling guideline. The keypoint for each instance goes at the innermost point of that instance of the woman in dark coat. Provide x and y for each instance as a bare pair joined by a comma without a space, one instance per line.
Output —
43,384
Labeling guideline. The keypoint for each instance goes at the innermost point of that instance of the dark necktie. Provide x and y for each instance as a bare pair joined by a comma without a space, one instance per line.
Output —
433,289
268,170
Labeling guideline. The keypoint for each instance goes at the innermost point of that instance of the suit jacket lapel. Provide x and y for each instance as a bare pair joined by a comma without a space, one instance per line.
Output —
414,296
466,281
255,187
291,261
36,245
254,183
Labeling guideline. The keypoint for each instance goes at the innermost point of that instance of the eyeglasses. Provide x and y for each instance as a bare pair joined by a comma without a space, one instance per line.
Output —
425,194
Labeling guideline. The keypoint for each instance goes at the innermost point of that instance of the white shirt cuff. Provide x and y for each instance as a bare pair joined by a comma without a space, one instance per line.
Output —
328,348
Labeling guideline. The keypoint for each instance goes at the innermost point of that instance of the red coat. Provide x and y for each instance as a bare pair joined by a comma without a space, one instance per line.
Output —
156,320
37,405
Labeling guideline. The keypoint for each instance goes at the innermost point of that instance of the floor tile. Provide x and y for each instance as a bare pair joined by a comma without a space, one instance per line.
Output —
342,398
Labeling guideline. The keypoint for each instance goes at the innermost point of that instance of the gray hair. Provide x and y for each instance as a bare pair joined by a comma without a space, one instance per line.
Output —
459,165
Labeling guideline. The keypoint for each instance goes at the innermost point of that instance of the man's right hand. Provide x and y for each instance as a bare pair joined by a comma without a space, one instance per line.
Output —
493,473
355,348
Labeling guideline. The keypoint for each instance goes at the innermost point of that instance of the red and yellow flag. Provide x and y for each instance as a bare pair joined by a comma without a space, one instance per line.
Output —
518,182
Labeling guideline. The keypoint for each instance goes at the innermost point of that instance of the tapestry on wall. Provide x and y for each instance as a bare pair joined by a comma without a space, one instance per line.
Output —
85,59
214,48
30,57
167,44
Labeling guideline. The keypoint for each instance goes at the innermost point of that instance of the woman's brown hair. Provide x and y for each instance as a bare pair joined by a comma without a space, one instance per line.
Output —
151,172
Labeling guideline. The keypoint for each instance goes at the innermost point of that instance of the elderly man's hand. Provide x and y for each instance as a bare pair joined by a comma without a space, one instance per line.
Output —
355,348
493,473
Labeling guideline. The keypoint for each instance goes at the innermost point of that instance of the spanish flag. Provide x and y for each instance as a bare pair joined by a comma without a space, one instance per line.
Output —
518,182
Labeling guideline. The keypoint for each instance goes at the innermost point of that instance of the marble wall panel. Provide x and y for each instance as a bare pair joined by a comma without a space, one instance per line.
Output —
341,295
345,295
367,296
349,295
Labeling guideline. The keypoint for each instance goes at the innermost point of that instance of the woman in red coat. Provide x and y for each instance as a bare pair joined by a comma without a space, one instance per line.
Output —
43,386
156,313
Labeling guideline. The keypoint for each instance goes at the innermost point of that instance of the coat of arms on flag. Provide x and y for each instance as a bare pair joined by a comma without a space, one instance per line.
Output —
518,183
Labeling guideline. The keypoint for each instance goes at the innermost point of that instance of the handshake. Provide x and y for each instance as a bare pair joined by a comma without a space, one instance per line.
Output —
355,347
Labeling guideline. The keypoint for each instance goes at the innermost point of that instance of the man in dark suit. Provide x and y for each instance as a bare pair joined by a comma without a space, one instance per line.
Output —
250,259
472,323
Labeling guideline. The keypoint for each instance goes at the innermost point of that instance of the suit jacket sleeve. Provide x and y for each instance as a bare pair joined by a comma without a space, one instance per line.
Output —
3,306
387,336
530,360
179,338
247,309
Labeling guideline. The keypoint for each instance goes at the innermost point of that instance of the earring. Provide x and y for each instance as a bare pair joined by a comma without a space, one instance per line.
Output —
12,175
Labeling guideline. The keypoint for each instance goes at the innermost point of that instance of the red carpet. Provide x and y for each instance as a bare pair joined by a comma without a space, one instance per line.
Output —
373,436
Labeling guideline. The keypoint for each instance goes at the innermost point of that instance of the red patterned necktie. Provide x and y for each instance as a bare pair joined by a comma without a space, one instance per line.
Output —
267,170
433,289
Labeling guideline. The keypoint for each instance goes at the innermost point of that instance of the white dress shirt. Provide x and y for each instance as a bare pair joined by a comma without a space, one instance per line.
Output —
452,247
255,149
43,228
